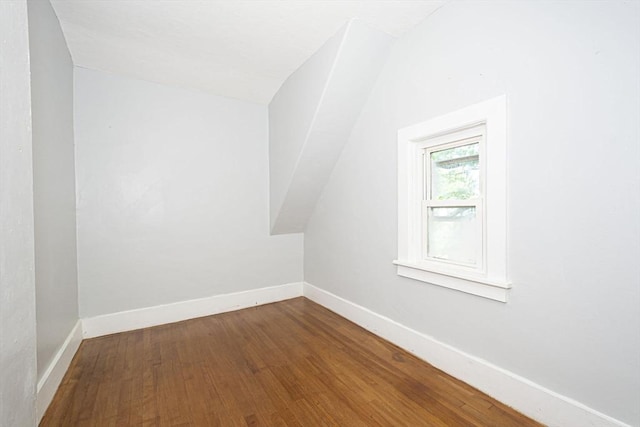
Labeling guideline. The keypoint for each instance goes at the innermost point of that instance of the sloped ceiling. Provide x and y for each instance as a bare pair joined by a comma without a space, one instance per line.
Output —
311,117
242,49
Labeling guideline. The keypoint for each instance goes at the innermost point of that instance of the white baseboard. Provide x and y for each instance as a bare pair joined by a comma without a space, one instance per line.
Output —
531,399
52,376
184,310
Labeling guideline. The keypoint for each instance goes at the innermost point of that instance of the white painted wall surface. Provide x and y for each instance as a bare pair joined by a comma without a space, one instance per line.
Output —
17,289
313,151
54,182
570,71
172,195
291,113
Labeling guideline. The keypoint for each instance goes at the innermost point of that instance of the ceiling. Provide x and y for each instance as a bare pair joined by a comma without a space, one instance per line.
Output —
242,49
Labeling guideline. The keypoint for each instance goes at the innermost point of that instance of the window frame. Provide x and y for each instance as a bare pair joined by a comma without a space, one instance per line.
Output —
488,278
460,138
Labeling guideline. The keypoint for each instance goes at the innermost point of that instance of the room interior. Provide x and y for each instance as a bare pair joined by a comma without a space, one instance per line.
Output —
163,161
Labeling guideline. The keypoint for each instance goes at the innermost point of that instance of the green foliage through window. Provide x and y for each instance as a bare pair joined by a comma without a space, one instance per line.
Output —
455,173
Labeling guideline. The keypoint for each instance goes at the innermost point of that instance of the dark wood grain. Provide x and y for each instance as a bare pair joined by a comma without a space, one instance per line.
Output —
292,363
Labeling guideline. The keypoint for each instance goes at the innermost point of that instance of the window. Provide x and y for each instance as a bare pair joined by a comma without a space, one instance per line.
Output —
452,200
452,195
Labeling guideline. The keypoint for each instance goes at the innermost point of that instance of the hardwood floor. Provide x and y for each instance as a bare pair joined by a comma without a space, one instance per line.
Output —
291,363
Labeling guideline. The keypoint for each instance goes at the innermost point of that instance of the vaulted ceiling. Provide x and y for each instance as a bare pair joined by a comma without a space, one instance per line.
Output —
242,49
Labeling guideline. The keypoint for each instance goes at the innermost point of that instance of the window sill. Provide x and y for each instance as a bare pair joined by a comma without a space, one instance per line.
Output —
472,285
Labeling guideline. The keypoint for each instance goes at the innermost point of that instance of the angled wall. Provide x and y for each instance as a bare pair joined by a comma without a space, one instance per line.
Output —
311,117
54,194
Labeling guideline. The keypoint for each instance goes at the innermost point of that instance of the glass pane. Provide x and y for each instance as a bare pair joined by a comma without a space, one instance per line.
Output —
455,173
452,234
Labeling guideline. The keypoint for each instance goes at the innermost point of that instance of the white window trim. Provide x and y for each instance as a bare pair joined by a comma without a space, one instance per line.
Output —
490,281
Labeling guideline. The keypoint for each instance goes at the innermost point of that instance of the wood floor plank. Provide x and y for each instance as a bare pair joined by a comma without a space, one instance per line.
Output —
291,363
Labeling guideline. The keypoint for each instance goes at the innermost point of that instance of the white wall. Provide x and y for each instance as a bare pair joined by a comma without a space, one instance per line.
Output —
54,182
291,114
305,156
570,71
17,289
172,196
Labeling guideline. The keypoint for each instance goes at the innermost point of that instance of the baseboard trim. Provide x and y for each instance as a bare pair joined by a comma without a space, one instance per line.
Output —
52,376
533,400
184,310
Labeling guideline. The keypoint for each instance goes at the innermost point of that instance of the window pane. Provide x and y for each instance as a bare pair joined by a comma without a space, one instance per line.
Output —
452,234
455,173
